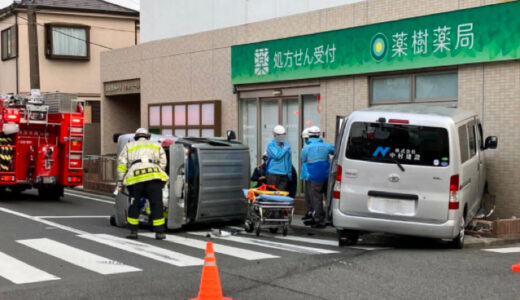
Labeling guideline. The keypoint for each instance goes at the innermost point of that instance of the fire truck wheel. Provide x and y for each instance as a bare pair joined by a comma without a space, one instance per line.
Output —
52,193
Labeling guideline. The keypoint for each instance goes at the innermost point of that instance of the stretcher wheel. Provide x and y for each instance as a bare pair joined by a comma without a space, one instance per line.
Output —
248,226
273,230
285,229
257,229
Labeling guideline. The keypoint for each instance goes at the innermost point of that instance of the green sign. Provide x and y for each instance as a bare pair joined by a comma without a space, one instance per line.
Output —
488,33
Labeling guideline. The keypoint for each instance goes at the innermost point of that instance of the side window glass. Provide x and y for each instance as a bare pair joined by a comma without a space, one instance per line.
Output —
472,139
463,142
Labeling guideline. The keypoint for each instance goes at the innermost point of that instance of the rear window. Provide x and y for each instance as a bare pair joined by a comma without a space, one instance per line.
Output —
391,143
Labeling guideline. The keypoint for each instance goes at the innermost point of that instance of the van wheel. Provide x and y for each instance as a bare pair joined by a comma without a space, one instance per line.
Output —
347,237
458,242
113,220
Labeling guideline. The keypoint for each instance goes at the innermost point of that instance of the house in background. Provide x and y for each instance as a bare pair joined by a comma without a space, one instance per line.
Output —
71,34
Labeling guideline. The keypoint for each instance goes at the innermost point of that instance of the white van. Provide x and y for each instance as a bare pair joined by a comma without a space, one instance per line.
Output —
409,169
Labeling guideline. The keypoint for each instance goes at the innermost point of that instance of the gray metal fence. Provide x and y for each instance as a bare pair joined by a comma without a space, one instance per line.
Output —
99,171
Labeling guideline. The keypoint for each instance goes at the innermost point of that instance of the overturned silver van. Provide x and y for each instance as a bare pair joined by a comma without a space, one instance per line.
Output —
409,169
207,176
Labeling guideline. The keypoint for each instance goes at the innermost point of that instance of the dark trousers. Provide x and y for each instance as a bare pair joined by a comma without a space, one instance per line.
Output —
317,190
307,194
151,190
281,182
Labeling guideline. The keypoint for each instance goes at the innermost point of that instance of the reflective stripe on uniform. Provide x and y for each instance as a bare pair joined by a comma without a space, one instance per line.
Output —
150,146
158,222
122,168
132,221
146,177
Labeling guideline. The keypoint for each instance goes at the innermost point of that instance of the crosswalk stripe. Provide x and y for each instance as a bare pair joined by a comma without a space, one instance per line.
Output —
270,244
504,250
325,242
78,257
19,272
153,252
219,248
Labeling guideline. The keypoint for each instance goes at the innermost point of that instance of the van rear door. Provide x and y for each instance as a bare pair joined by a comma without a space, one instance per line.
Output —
341,122
396,171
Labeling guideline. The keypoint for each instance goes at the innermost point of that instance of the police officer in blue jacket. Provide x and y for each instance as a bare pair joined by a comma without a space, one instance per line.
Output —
316,157
279,169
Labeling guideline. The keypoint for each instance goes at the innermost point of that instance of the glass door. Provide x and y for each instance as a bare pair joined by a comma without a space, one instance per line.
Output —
268,120
290,117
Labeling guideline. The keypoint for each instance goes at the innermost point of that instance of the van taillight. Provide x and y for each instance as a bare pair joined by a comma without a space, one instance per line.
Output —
454,188
336,193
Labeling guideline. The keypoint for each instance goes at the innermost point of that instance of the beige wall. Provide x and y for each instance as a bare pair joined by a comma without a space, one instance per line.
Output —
80,77
197,67
8,67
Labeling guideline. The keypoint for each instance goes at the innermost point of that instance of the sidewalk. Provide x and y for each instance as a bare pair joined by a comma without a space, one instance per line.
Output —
383,240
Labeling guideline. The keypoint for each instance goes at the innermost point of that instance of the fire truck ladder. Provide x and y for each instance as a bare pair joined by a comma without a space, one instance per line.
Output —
76,134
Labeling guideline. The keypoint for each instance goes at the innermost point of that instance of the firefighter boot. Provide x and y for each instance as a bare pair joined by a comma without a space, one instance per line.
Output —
160,236
132,235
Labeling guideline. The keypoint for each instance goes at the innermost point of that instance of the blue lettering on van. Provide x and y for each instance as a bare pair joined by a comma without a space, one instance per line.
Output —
381,150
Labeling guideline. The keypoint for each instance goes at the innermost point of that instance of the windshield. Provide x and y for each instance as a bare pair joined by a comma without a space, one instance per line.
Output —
396,143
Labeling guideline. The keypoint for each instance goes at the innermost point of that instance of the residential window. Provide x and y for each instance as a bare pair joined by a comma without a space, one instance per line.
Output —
9,45
414,88
195,119
67,41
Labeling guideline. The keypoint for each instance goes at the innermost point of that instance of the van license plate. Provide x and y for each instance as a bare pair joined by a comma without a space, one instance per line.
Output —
391,206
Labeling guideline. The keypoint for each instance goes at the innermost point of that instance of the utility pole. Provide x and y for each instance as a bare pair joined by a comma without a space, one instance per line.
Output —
34,65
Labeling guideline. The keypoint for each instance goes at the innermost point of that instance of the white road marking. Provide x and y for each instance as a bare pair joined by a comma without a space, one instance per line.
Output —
504,250
40,220
270,244
19,272
78,257
89,198
153,252
73,217
222,249
325,242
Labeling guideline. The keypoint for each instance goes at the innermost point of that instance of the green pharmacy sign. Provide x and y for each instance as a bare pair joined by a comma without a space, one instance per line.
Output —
482,34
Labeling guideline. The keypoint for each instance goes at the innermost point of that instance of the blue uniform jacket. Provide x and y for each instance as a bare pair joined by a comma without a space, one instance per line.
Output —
304,175
316,155
280,159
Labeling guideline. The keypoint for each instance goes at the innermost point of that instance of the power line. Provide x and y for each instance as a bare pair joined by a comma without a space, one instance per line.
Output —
88,42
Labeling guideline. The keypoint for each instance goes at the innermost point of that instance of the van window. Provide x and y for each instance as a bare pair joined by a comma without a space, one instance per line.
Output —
463,141
472,139
406,144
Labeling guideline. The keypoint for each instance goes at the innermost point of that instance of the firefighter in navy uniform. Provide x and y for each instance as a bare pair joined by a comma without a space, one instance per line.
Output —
141,166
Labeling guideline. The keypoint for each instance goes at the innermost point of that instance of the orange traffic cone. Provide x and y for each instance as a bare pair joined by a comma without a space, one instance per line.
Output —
516,268
210,288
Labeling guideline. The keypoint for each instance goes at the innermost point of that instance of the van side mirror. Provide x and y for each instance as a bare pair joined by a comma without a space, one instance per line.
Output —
231,135
491,142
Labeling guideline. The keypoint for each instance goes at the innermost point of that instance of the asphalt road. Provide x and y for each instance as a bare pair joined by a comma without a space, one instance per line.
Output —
67,250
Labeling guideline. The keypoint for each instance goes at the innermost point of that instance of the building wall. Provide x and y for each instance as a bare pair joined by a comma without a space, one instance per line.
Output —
79,77
164,19
8,67
197,67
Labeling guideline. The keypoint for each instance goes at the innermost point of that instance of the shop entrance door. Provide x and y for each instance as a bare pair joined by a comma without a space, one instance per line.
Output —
280,111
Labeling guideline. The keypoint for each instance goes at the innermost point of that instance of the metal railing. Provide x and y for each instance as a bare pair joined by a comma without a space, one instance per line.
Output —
100,169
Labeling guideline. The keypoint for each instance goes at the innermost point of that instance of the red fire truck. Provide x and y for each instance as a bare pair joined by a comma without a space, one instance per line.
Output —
41,144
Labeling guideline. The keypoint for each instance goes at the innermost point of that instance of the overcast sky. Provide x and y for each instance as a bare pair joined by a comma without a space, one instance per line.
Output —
133,4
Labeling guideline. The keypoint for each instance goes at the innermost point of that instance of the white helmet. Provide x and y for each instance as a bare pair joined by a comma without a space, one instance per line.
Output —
314,131
279,130
305,133
142,132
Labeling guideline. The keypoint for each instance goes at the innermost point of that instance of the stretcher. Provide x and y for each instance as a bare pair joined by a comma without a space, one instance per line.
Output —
268,209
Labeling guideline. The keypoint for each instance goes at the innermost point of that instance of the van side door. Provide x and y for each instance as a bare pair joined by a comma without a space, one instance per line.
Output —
470,166
482,158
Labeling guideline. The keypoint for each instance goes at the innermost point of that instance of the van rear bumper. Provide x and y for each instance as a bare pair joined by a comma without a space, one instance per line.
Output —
446,230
